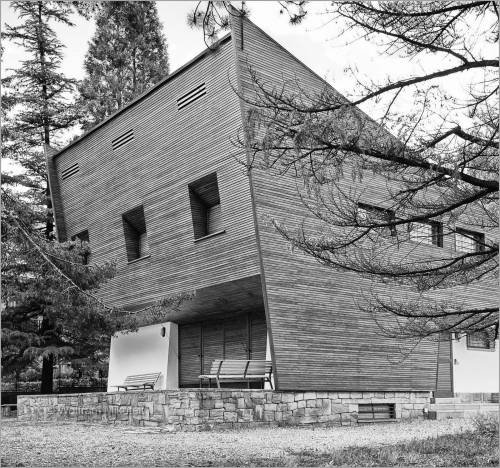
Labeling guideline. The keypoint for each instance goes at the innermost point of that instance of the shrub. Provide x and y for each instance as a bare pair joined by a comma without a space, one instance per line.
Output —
486,425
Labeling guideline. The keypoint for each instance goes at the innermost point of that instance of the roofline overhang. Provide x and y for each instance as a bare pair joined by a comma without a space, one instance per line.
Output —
138,99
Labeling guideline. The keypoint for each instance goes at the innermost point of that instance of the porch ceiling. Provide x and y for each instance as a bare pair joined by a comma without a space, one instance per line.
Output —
222,300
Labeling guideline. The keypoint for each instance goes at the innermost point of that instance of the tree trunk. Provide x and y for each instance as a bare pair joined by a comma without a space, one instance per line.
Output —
49,217
47,374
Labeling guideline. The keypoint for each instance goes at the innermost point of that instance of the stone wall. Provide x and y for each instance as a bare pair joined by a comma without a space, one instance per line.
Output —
204,409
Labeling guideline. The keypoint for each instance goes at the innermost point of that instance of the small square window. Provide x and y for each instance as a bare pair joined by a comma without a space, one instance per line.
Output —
479,340
370,214
134,230
469,241
427,233
81,236
205,206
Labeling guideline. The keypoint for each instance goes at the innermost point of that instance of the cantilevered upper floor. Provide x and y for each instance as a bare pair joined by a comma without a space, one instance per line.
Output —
159,188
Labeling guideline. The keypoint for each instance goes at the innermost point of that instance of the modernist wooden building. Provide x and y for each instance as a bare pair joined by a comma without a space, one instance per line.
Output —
158,187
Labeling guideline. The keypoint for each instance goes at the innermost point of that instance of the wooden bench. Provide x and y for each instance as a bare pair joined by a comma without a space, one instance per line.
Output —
238,370
140,381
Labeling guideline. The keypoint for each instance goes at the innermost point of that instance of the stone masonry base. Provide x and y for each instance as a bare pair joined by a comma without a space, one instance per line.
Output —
203,409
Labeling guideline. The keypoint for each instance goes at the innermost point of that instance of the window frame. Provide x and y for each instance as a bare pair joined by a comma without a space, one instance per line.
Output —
491,344
477,237
436,238
385,212
83,236
134,228
205,205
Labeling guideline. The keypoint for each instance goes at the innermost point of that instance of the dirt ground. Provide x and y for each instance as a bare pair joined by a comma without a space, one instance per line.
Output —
82,444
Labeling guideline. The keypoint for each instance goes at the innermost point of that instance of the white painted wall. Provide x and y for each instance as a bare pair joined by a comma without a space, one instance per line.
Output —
267,386
143,352
474,370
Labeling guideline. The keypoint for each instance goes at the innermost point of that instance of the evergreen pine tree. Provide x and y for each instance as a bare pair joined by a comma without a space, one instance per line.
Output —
37,104
126,56
49,308
37,108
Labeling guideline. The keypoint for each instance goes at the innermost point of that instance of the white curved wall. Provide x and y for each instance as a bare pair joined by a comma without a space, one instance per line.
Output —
145,351
474,370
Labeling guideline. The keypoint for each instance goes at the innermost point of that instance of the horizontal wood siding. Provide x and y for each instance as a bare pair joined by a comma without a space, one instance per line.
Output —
171,148
321,339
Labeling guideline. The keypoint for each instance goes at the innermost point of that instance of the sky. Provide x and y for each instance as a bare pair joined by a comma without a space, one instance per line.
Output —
316,42
313,42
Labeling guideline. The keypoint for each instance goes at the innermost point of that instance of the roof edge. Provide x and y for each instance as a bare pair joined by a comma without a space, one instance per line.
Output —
146,93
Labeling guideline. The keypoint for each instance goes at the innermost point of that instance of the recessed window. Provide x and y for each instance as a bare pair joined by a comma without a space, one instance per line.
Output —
369,215
468,241
136,237
479,340
205,206
427,233
82,237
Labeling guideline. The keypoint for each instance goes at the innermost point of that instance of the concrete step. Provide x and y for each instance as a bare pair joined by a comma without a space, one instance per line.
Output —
464,406
462,410
446,400
450,414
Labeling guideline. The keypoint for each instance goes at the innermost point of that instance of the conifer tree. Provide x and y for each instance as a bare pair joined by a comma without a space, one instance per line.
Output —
49,306
37,102
37,108
126,56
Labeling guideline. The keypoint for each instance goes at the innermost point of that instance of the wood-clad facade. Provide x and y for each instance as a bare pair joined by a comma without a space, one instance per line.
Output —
338,347
170,149
170,156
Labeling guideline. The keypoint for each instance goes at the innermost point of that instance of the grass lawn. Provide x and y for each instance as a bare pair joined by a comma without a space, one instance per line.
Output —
418,443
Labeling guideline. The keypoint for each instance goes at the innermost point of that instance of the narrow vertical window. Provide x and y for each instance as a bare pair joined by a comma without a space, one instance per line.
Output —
83,237
136,237
205,206
468,241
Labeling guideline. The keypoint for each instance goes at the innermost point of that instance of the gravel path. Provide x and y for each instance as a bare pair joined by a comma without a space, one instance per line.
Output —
71,444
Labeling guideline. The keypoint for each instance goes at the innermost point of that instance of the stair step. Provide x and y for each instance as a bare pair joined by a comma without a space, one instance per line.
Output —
446,400
459,413
465,407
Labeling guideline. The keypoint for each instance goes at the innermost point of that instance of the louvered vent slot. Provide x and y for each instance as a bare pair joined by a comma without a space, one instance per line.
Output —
123,140
373,412
192,96
70,171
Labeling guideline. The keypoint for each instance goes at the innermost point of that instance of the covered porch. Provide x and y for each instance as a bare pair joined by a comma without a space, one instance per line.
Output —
224,321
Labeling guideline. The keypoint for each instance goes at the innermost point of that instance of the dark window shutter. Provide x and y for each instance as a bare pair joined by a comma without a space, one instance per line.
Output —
189,354
213,344
236,338
258,338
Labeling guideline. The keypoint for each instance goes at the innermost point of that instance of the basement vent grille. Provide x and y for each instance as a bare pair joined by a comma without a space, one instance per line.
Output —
122,140
70,171
192,96
373,412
